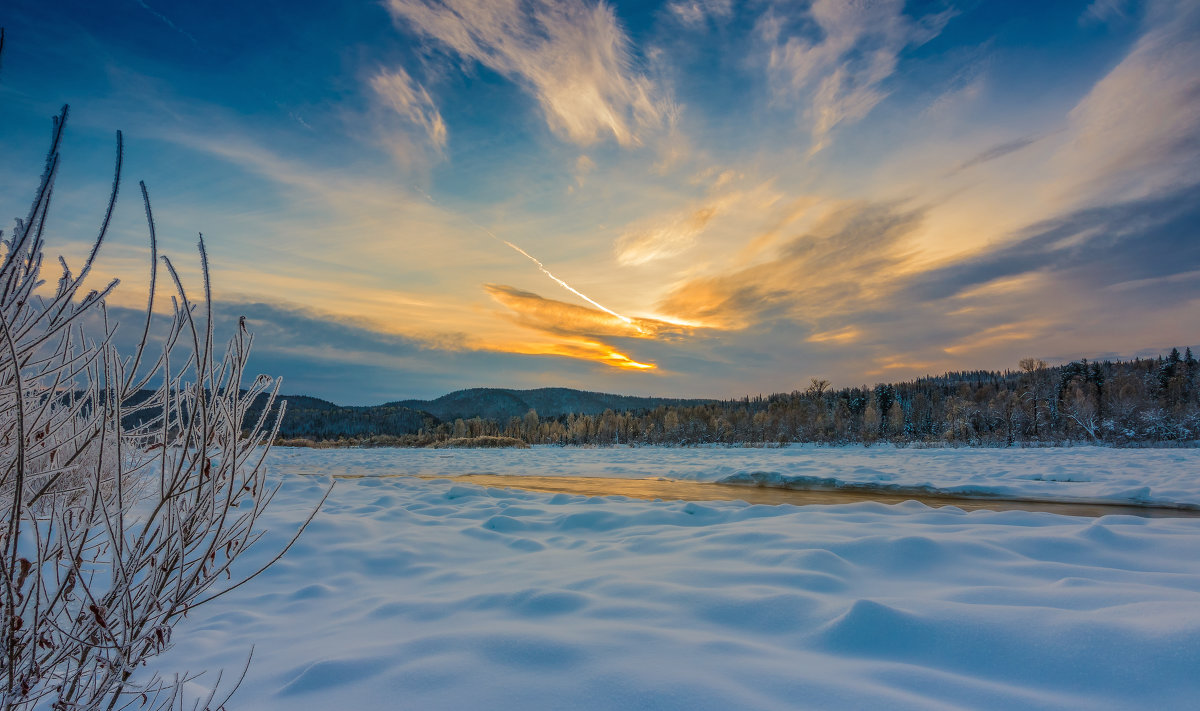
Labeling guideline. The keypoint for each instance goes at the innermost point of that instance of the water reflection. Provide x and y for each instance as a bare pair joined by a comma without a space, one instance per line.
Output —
673,490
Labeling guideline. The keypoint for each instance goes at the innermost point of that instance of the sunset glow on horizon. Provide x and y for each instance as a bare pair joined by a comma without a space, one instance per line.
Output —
693,198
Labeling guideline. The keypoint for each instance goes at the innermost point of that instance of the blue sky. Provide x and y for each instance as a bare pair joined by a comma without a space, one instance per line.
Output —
695,197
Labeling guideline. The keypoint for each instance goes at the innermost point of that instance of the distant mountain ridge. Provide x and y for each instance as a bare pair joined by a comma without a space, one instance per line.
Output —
314,418
503,403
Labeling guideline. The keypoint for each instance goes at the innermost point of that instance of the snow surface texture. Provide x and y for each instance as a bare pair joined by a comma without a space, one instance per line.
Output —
1159,476
427,594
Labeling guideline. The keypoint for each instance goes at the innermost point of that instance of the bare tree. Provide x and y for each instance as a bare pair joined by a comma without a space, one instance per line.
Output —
131,483
1080,407
1036,390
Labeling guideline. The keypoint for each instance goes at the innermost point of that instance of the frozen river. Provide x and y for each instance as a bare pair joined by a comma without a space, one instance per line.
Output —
1163,476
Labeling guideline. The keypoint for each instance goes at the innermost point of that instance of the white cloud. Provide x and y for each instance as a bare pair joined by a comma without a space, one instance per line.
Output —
571,55
694,12
1138,129
397,89
666,239
1105,11
583,166
667,236
840,71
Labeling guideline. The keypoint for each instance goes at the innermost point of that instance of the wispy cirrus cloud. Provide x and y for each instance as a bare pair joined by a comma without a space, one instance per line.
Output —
412,102
725,214
694,13
1105,11
572,56
1097,247
842,265
665,239
838,58
1138,130
996,152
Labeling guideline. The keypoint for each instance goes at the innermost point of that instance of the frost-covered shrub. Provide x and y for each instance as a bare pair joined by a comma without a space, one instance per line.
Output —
130,482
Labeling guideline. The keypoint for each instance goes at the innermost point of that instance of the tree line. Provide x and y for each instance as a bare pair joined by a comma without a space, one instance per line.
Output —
1144,401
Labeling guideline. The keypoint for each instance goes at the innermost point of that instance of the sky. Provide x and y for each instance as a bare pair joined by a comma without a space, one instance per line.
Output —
700,198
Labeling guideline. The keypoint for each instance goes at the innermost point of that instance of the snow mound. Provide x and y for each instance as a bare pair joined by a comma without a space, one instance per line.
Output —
410,593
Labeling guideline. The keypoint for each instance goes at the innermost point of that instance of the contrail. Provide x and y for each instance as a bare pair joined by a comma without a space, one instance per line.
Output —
540,266
166,20
564,284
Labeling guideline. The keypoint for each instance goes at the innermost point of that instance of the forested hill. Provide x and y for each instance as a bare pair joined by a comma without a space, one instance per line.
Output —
1141,401
501,404
320,420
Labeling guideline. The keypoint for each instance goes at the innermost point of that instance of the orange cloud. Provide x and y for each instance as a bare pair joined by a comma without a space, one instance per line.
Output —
575,330
885,366
848,334
995,335
561,318
850,259
794,211
581,349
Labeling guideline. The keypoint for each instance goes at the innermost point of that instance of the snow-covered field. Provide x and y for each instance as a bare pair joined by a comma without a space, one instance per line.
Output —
428,594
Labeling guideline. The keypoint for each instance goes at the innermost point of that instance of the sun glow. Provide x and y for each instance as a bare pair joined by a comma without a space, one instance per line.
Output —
620,360
600,353
578,348
674,321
